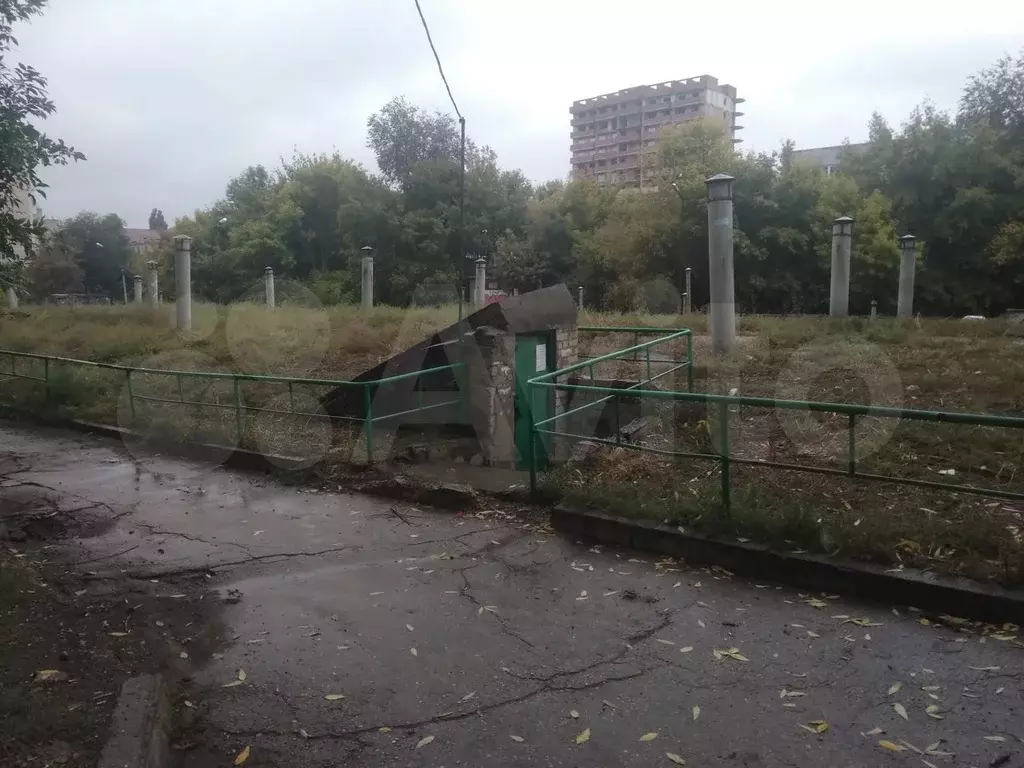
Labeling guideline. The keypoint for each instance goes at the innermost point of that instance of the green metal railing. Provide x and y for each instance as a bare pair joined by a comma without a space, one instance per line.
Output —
132,375
723,404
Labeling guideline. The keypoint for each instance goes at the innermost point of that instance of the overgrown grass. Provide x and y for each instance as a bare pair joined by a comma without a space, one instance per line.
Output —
933,363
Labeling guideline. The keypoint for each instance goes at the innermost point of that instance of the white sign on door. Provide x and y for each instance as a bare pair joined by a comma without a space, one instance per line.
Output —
542,357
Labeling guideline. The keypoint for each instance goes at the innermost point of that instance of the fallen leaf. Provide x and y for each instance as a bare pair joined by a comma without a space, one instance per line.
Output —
686,649
303,733
900,710
893,689
517,739
931,687
812,634
696,711
675,758
51,676
649,736
820,726
663,642
242,756
409,627
608,704
995,738
873,732
118,634
583,737
468,696
384,729
932,747
334,697
815,603
242,676
700,623
886,744
232,684
414,652
985,669
574,714
1000,690
183,655
424,741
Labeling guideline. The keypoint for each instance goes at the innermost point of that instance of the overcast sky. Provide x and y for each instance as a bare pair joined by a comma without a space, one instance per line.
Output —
171,98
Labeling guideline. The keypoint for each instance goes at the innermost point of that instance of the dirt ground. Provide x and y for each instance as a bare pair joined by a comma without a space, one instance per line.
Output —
88,635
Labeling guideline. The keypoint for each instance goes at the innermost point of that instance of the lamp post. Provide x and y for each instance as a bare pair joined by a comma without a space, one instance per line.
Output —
684,291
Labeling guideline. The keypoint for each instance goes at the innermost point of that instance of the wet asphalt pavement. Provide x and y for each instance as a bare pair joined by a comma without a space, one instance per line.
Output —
482,640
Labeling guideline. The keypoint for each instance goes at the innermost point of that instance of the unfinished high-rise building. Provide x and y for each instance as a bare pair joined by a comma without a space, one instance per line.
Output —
613,135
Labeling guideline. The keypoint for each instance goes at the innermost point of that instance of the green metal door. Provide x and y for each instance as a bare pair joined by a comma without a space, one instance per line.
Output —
535,354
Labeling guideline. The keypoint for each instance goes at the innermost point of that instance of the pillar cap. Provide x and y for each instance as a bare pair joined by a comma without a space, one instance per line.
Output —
182,239
481,260
720,177
268,269
908,241
152,264
842,220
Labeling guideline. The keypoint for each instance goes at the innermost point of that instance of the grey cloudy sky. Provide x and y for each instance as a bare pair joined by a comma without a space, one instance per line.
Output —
170,98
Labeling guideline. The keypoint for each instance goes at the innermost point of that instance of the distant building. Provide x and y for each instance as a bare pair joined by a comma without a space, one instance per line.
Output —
610,134
827,157
142,240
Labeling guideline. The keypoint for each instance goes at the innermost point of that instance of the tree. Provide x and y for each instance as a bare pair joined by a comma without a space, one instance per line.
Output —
156,220
23,148
402,135
100,248
54,268
996,96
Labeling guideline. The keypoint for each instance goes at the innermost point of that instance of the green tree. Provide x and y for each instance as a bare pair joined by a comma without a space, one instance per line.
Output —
23,147
54,269
402,135
157,221
100,248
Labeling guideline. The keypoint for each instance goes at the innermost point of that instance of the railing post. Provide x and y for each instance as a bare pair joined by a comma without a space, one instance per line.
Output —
46,379
852,455
368,424
291,397
531,450
131,394
723,438
181,391
647,351
689,357
238,409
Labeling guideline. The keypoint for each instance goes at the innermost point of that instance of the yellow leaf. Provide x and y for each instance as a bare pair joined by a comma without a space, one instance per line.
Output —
573,714
931,708
900,710
649,736
517,739
118,634
815,603
241,675
334,697
232,684
893,688
686,649
933,747
924,622
820,726
985,669
424,741
696,711
384,729
675,758
808,728
583,737
931,687
995,738
886,744
242,756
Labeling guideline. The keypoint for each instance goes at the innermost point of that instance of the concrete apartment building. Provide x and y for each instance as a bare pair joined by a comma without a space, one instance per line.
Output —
610,134
829,158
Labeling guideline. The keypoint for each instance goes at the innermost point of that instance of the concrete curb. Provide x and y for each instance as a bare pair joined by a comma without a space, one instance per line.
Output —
927,591
140,729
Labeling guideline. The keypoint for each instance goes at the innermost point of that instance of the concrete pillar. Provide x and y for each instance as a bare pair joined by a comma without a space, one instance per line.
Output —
579,304
480,284
687,297
908,264
268,286
720,263
12,299
138,289
367,283
842,243
874,309
183,281
154,285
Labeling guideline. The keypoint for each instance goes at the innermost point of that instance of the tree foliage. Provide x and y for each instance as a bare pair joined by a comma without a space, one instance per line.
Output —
157,221
23,147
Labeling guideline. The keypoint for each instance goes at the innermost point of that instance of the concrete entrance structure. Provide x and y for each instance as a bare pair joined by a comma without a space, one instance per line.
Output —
502,345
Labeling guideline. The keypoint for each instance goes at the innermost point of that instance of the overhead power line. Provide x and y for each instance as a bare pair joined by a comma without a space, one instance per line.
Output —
438,60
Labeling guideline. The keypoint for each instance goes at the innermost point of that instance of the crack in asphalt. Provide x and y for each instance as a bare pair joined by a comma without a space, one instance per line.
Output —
467,592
